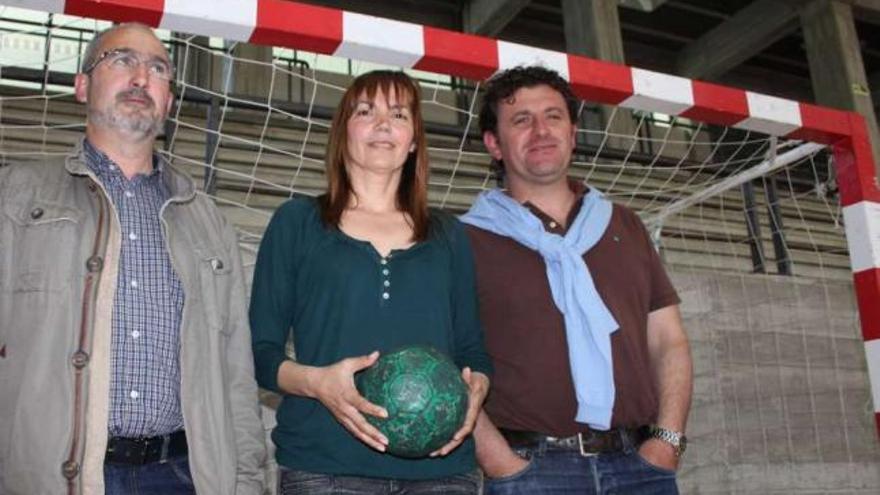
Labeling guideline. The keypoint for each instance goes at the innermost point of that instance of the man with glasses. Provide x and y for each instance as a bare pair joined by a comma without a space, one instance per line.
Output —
125,357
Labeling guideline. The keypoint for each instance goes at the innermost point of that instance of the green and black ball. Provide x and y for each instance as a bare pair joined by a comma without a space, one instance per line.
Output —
424,394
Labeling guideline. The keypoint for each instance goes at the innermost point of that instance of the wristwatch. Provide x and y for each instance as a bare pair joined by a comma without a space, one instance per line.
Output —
675,438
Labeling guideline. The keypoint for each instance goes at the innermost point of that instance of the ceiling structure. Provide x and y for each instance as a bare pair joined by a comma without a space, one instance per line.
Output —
752,44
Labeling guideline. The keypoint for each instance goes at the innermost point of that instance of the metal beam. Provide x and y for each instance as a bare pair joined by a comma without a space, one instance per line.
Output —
766,167
753,228
738,39
489,17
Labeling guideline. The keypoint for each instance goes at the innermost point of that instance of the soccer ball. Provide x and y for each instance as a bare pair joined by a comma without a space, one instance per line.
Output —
424,394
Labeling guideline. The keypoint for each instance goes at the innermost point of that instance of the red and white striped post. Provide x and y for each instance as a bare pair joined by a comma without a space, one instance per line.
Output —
351,35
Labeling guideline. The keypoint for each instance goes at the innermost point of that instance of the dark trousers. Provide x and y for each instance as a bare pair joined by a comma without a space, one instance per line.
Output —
293,482
567,472
171,477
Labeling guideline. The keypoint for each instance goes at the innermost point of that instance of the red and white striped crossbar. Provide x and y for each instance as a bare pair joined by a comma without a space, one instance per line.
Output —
347,34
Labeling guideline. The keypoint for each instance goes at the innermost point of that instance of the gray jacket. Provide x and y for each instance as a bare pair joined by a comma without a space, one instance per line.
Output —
59,252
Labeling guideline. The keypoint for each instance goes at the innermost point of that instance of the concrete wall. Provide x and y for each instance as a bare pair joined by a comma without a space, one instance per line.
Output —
782,401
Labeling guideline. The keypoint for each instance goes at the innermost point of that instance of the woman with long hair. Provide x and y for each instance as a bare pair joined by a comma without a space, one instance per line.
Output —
363,269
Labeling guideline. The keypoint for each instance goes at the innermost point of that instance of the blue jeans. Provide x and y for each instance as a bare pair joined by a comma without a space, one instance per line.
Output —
565,472
292,482
171,477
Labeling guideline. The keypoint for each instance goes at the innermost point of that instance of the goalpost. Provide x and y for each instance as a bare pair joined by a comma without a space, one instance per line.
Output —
747,195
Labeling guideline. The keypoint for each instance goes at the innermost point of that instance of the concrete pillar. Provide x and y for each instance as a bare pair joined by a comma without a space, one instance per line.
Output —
251,79
836,66
195,64
592,29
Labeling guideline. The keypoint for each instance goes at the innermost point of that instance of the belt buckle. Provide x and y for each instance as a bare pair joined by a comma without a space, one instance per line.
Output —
143,450
584,453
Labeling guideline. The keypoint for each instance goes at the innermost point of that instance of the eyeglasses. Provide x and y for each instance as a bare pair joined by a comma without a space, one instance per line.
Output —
128,60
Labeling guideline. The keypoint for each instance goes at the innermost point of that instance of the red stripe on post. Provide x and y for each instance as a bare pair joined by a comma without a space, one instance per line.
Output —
717,104
147,12
458,54
598,81
822,125
877,421
299,26
867,285
854,163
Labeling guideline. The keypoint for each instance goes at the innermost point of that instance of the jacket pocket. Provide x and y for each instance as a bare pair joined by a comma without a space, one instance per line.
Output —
42,247
215,279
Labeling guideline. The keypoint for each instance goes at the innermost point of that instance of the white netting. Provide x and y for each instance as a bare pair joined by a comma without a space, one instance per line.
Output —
782,402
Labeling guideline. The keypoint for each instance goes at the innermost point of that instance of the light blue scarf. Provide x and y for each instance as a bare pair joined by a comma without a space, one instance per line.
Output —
588,322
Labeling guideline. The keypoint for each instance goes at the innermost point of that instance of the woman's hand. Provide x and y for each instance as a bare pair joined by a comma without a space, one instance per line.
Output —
478,387
334,386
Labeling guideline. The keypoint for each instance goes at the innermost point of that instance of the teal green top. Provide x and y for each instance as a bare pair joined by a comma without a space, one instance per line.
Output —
340,298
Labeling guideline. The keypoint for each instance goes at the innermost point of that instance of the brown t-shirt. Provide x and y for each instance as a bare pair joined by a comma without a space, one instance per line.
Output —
532,388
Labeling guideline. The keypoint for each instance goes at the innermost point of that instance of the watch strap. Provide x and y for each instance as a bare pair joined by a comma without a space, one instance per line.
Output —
676,439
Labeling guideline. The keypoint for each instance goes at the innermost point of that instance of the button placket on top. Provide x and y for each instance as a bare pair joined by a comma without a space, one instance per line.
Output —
385,271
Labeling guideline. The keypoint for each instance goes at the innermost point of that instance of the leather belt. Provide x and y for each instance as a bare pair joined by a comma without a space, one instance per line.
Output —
588,443
138,451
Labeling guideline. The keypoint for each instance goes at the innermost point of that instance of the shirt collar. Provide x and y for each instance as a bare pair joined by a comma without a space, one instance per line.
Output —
579,189
104,167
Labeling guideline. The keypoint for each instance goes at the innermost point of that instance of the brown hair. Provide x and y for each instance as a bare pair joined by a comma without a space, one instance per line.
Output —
412,192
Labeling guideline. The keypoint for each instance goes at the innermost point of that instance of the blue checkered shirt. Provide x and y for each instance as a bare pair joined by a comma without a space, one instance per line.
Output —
145,348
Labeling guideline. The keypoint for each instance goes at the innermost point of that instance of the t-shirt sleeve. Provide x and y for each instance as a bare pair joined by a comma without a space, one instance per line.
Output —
663,293
274,292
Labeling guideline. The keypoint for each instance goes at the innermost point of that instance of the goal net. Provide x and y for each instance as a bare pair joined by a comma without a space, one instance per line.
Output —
743,194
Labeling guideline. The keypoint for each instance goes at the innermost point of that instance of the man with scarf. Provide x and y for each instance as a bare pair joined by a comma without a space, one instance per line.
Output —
593,370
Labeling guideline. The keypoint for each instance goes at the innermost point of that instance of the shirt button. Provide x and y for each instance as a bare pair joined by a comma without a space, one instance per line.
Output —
553,225
36,213
132,236
383,261
129,194
387,283
134,394
134,284
135,334
385,272
386,295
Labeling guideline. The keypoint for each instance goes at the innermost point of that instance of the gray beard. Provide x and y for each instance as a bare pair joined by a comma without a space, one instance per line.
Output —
139,125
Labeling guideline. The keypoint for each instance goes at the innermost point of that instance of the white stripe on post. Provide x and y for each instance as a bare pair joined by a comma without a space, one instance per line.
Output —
657,92
228,19
511,55
862,222
52,6
383,41
872,352
771,115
